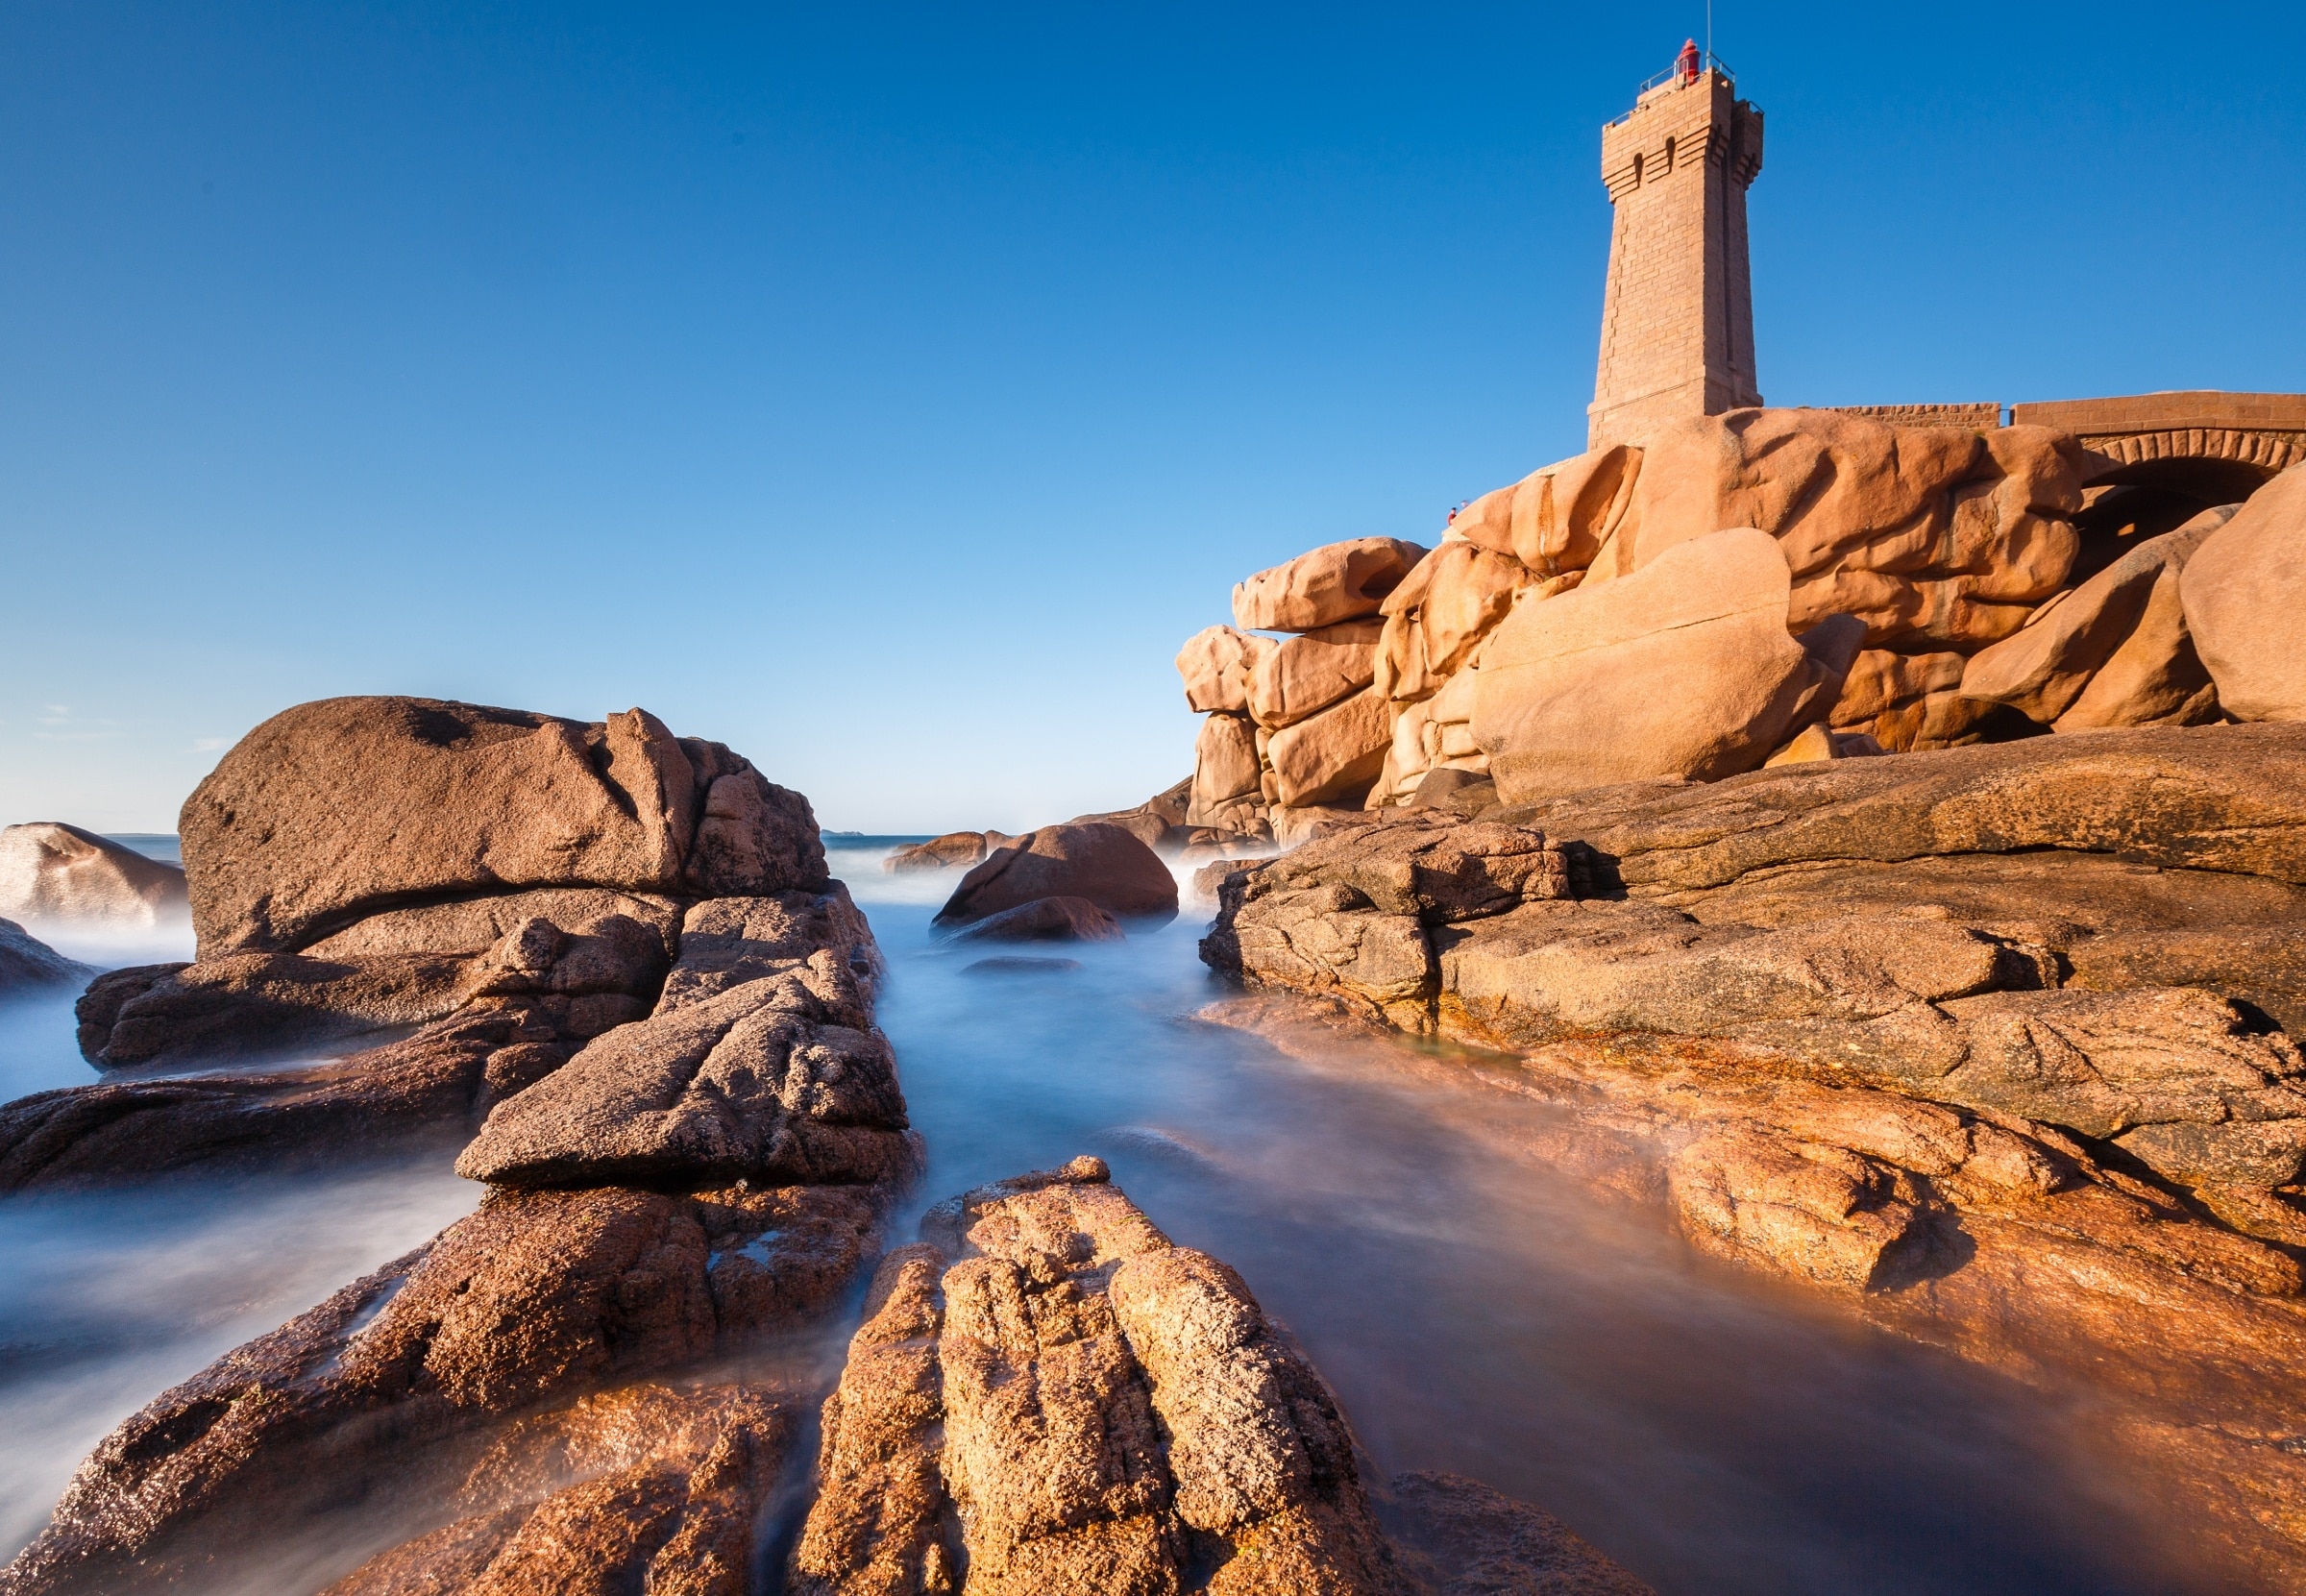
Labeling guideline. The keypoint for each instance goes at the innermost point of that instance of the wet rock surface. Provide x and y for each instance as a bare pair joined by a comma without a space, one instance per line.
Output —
1045,919
1990,1043
27,963
399,1383
689,1125
1458,1537
1048,1394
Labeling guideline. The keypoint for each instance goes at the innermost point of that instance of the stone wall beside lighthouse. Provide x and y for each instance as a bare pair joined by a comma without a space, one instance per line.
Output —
1678,321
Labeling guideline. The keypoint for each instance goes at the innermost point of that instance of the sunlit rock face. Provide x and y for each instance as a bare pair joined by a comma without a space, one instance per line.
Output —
455,901
1047,1394
1605,619
1993,1041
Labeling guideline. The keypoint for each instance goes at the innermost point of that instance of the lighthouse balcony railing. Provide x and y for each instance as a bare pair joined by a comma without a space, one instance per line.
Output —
1708,62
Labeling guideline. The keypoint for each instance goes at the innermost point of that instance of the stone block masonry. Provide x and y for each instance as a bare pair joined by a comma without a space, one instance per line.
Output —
1678,318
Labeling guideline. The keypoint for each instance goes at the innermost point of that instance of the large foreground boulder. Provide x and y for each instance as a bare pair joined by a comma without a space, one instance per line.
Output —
458,800
1047,1394
1100,862
2243,592
1684,668
689,1124
53,871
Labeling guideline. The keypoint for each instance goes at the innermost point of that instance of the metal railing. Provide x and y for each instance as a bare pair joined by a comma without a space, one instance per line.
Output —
1705,61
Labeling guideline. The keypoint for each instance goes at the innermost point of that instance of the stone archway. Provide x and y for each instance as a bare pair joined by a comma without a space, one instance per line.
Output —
2218,445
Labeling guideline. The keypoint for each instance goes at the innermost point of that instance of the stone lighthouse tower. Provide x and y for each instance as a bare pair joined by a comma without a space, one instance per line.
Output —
1678,321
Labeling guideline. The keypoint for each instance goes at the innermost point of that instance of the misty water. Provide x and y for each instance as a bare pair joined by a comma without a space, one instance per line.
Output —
1712,1430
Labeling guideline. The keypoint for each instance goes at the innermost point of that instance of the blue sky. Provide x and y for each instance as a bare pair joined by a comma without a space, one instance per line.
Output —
888,390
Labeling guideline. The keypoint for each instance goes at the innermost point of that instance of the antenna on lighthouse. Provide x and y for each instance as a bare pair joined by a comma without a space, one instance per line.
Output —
1709,33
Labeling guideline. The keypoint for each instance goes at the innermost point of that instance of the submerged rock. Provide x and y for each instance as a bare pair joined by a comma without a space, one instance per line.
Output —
27,963
1458,1537
1045,919
50,871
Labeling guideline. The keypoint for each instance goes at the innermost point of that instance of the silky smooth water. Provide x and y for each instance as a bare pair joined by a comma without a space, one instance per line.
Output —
1713,1429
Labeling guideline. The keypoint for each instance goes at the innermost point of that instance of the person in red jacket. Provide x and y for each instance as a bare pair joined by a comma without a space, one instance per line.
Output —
1687,65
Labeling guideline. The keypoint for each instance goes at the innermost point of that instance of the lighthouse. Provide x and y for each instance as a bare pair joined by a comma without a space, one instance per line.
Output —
1678,316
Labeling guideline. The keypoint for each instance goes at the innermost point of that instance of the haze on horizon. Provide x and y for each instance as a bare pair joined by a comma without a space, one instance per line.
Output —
888,393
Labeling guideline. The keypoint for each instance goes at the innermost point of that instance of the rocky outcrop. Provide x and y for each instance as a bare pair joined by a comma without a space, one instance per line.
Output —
1934,536
413,1385
541,1398
1048,1394
760,1063
432,1089
1100,862
451,981
1771,913
1948,585
1160,821
2065,646
601,971
1217,663
459,800
1334,755
53,871
2241,597
27,963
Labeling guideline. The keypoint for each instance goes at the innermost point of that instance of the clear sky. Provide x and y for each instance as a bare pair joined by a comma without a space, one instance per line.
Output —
887,391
